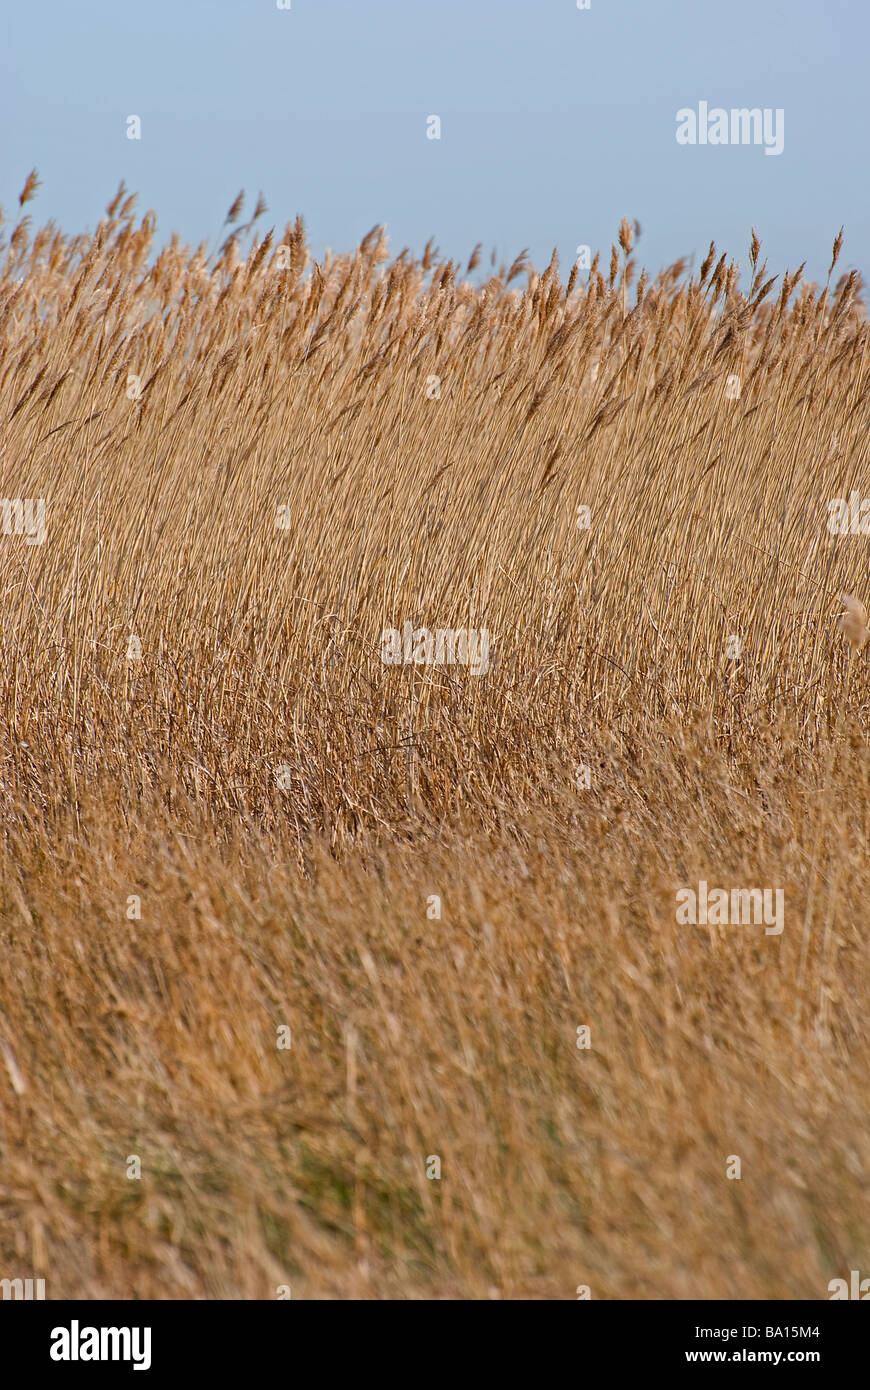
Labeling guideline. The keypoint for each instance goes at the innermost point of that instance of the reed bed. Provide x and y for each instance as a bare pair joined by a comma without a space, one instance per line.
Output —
225,815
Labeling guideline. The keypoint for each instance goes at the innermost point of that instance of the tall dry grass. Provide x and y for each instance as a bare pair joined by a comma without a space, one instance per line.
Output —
285,806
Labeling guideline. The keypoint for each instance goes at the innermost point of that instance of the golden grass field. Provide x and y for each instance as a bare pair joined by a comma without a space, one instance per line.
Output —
195,713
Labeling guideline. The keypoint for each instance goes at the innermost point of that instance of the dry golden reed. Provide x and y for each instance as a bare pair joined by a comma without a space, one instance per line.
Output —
223,813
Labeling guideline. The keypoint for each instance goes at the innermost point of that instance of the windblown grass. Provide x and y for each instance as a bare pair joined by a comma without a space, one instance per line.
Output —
285,806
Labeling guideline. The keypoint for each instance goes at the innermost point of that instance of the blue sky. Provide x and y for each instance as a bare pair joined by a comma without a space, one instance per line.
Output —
556,122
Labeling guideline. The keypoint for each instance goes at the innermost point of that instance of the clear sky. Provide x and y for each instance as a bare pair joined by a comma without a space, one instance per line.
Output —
555,121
